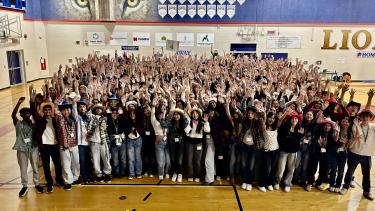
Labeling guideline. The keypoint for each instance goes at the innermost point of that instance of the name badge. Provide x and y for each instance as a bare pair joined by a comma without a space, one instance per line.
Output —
199,148
220,157
305,141
340,150
165,138
323,150
147,133
72,135
176,140
27,140
208,136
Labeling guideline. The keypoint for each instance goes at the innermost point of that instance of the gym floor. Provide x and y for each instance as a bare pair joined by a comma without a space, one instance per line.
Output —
152,194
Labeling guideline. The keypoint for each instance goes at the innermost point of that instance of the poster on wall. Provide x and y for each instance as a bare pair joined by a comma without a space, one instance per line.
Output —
185,39
205,39
118,38
162,37
172,45
141,38
289,42
95,38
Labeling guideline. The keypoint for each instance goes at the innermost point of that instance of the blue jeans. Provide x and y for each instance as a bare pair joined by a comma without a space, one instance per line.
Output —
353,161
119,159
337,161
234,158
162,157
302,164
85,163
248,155
134,147
271,159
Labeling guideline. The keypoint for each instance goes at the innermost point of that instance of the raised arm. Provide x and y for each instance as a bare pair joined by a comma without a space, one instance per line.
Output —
15,110
369,99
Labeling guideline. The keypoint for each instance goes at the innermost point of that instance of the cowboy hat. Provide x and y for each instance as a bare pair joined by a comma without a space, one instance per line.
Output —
180,111
44,104
294,114
328,121
113,97
132,102
65,104
196,109
81,102
98,105
367,112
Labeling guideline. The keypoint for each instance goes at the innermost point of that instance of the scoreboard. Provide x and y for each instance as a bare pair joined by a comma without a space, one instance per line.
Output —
13,4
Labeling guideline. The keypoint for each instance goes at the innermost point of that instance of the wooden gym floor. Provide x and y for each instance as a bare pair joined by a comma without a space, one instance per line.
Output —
152,194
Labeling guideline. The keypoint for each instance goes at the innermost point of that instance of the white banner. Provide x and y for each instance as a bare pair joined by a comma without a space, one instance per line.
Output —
119,38
95,38
192,10
162,10
186,39
201,10
289,42
211,10
182,10
141,38
172,10
205,39
231,10
162,37
221,10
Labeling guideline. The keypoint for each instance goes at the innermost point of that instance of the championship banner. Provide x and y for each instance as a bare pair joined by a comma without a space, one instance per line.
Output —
141,39
95,38
182,10
119,38
186,39
162,37
162,10
221,10
172,10
231,10
201,10
192,10
205,39
172,1
211,10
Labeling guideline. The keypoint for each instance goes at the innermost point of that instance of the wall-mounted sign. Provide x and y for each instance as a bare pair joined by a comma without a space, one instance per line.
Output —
360,40
289,42
183,53
95,38
366,54
141,38
205,39
130,48
118,38
186,39
161,38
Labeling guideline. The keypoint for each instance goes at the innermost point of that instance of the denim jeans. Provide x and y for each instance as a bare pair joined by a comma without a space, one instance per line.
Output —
337,161
315,159
148,154
134,147
85,164
353,161
100,155
162,157
288,160
176,148
47,152
194,156
270,160
234,159
209,160
119,159
248,155
302,164
70,164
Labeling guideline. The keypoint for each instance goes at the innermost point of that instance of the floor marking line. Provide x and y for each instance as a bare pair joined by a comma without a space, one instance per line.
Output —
148,195
238,198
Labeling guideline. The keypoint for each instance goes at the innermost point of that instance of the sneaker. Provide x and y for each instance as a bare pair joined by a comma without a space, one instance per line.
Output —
249,187
50,189
145,175
331,189
228,179
276,187
270,188
167,176
337,190
352,184
77,182
130,178
68,187
174,178
107,178
218,178
368,196
190,180
322,187
287,189
39,189
343,191
100,179
161,177
179,178
308,188
262,189
151,175
23,192
139,177
243,186
197,180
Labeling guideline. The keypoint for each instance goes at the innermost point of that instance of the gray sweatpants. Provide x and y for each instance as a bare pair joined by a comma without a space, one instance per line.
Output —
70,164
100,152
288,160
210,160
23,161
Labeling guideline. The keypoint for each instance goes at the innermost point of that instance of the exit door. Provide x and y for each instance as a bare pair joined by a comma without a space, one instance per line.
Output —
15,67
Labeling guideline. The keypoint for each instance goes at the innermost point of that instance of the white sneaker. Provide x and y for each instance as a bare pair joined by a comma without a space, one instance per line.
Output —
262,189
218,178
243,186
161,177
179,178
174,177
190,180
287,189
151,175
323,187
145,175
139,177
228,178
130,178
167,176
343,191
196,180
331,189
352,184
276,187
308,188
249,187
270,188
337,190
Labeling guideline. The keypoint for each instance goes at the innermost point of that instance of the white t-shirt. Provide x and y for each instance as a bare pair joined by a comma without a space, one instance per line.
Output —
49,136
84,134
365,147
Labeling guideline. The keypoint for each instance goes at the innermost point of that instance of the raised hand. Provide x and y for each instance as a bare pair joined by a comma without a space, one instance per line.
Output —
352,92
370,93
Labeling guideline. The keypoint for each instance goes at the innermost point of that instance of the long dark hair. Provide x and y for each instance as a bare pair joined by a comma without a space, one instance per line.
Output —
180,124
199,126
273,126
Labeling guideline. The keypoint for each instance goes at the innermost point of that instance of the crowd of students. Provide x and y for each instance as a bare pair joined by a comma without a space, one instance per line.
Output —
203,119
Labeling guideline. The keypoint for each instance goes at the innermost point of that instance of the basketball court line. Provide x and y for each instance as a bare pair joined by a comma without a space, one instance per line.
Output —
237,197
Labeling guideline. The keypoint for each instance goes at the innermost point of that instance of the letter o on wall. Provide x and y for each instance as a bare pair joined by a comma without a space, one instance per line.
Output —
355,39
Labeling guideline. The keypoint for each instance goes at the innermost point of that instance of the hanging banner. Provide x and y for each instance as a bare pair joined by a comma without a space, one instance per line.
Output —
231,10
95,38
118,38
162,10
162,37
211,10
221,10
181,10
201,10
205,39
186,39
172,10
192,10
141,39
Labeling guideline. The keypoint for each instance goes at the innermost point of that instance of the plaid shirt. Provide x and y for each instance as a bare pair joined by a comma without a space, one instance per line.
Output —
95,122
67,134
